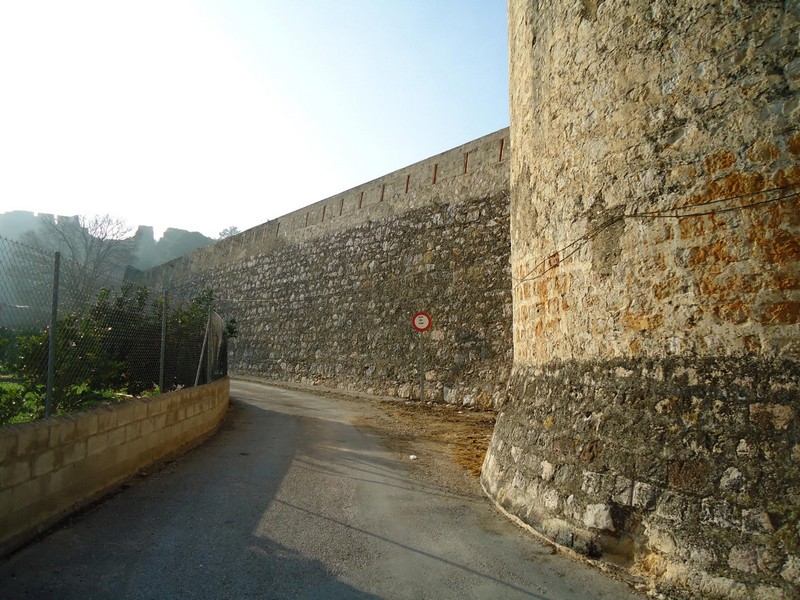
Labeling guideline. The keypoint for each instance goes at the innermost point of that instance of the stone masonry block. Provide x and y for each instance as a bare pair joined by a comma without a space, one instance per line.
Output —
662,541
62,431
96,444
180,427
791,570
744,558
156,406
32,439
757,521
103,462
115,437
768,592
644,495
28,492
14,523
125,453
172,418
125,414
671,506
145,450
598,516
41,509
718,513
44,463
5,501
86,425
174,401
146,426
54,482
77,479
14,473
156,438
133,431
73,452
160,422
598,485
622,492
8,444
106,419
140,409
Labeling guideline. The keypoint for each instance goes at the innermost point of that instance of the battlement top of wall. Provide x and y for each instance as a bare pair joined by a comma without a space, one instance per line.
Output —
479,154
479,168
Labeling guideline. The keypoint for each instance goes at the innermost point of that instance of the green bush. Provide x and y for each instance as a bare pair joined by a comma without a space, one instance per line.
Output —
18,405
106,353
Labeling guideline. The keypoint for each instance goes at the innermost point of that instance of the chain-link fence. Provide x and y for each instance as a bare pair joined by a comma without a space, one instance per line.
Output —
113,339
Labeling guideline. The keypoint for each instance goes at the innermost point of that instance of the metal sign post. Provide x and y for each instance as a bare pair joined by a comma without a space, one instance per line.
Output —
421,367
421,322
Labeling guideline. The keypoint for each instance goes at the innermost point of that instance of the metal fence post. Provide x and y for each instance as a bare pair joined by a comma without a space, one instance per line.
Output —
51,349
162,359
211,356
203,350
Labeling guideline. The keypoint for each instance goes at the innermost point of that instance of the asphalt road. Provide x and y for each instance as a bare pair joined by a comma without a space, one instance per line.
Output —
291,500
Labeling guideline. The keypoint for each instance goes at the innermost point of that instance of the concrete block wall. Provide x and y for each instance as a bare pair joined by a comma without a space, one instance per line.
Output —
51,467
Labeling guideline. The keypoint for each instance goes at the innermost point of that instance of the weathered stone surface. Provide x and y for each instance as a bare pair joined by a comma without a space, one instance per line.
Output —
791,570
655,252
598,516
328,300
756,498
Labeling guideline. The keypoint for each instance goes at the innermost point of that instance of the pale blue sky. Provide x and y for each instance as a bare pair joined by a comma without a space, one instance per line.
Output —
202,114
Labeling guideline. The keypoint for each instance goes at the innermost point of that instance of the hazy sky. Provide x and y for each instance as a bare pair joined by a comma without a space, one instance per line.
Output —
204,114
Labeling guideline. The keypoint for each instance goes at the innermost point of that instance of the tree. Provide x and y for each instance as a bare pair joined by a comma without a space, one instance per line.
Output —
93,248
228,232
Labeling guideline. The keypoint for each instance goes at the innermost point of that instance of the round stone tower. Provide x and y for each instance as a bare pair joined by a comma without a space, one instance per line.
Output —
653,419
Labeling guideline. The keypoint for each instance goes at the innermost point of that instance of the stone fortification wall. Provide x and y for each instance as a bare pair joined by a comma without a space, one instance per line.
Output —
652,418
476,169
325,295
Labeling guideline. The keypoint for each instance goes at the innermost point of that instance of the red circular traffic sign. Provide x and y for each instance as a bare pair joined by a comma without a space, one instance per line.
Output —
421,321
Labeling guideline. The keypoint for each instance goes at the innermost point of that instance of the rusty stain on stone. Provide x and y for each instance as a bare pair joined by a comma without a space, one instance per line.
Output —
793,144
720,161
688,475
763,151
781,313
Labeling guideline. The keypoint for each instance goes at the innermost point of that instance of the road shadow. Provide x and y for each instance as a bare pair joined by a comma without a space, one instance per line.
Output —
225,521
184,529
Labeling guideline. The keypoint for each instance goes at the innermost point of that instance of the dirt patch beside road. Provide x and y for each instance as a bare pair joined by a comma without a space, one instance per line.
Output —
438,435
448,442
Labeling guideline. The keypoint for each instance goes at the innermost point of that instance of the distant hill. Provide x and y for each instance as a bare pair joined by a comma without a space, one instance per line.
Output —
173,244
149,252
